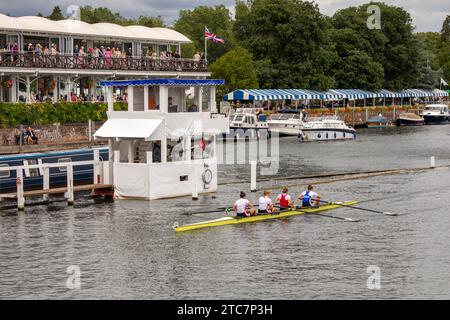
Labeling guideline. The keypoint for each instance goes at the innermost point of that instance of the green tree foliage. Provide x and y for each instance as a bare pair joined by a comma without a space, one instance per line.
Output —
429,73
355,66
192,24
101,14
289,40
56,14
236,68
445,31
393,46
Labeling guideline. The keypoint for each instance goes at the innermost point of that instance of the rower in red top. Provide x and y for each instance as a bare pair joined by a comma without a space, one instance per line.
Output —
284,200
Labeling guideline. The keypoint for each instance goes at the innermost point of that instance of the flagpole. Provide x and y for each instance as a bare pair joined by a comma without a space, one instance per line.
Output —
206,47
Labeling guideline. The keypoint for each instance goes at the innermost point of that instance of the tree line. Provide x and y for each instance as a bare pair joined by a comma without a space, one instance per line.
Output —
291,44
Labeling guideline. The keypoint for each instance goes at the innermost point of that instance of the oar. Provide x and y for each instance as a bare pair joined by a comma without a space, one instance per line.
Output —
210,211
359,208
318,214
328,216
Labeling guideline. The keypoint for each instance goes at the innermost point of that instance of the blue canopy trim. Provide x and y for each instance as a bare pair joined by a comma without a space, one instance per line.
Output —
164,82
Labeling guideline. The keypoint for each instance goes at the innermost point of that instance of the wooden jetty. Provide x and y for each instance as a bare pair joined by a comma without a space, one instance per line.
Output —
101,180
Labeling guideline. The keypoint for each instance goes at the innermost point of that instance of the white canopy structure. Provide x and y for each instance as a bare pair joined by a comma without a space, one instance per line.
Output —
130,129
34,24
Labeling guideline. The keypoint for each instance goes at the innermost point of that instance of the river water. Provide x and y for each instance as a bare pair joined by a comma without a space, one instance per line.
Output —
127,249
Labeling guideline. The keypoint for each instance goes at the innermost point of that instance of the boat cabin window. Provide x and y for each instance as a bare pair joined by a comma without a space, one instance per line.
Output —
64,160
4,174
238,118
435,108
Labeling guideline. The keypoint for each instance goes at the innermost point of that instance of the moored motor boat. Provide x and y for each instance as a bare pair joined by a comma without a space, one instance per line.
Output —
286,122
247,123
410,119
378,122
435,114
326,129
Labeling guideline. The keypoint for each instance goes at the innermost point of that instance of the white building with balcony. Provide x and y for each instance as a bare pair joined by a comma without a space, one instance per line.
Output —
139,52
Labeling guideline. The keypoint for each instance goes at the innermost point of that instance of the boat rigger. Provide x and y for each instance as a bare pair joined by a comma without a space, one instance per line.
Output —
238,220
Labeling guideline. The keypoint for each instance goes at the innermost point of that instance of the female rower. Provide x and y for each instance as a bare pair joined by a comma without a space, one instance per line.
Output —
243,207
309,198
265,204
284,200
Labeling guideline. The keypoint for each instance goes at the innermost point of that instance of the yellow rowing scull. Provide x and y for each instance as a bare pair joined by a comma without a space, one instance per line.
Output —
236,220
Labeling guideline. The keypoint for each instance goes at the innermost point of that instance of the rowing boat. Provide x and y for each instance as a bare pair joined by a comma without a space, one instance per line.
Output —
237,220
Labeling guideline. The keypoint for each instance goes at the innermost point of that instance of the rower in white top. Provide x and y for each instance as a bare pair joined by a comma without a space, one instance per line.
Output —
266,204
243,207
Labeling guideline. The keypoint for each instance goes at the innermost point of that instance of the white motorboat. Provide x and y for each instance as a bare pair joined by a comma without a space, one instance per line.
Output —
286,123
247,123
326,129
436,114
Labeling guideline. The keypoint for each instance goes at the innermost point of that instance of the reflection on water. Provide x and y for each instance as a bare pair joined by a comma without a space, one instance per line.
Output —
127,249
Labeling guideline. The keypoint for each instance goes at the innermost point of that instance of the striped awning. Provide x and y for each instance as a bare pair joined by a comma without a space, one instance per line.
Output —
268,94
332,94
353,94
414,93
388,94
440,93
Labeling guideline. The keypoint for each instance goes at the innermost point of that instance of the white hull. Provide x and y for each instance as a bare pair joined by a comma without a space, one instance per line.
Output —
285,131
327,135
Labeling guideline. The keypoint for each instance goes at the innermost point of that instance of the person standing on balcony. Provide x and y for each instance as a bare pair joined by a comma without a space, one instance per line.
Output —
123,60
117,57
46,53
81,56
129,57
197,57
108,56
15,50
54,52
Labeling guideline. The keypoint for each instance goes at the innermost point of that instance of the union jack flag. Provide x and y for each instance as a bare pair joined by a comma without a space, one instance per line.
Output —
211,36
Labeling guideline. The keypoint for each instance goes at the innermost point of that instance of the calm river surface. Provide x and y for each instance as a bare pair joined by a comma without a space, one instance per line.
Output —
127,249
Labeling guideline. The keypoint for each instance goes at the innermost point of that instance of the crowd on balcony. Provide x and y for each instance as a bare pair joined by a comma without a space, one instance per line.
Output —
38,55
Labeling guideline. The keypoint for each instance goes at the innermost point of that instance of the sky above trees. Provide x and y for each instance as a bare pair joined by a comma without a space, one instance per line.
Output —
427,15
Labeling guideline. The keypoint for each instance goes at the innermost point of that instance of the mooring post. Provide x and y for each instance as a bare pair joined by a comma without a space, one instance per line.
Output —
20,138
195,180
70,197
97,177
20,194
46,181
253,176
90,131
433,162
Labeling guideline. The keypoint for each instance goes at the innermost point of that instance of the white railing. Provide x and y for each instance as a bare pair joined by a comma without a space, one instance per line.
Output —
99,177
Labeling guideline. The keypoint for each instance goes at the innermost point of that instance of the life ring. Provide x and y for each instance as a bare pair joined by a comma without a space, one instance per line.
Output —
207,176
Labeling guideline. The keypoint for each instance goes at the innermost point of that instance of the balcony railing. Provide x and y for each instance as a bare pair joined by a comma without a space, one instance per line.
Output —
67,61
